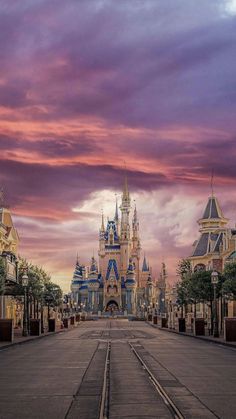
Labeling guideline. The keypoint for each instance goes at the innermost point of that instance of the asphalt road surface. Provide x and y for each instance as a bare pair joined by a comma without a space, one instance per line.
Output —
117,369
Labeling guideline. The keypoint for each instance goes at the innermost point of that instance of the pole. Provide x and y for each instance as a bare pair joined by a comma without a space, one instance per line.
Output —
215,321
25,322
41,315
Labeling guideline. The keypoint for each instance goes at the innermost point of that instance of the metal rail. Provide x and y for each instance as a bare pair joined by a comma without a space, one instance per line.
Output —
104,407
167,400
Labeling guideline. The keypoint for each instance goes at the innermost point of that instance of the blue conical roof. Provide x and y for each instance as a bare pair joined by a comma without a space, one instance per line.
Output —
145,266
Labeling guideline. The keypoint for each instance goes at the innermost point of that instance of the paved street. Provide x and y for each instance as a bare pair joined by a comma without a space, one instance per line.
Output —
62,376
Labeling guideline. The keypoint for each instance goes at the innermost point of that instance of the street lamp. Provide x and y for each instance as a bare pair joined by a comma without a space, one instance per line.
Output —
214,281
25,281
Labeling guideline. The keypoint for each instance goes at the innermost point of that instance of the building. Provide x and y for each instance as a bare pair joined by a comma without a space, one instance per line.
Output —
9,241
216,245
117,282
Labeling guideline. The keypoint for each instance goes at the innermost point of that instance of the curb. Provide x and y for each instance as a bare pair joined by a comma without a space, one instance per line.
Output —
231,345
33,338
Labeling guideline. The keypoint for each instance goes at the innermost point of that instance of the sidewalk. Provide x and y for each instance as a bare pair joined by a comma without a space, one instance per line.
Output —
219,341
19,339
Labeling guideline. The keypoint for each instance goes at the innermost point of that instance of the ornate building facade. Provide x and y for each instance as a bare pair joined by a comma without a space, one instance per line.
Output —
9,241
216,245
117,282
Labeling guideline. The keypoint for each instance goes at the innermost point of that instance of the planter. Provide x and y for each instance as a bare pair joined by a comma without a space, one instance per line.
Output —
6,330
35,327
51,325
181,325
164,322
77,318
230,329
198,327
154,319
66,323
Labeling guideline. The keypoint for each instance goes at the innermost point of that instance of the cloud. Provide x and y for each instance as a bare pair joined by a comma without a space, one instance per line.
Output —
87,85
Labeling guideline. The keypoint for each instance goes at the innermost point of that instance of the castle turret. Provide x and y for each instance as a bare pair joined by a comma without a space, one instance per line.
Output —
93,286
130,285
125,228
102,238
116,218
136,247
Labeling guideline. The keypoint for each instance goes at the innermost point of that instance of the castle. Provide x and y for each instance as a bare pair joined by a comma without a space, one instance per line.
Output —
117,283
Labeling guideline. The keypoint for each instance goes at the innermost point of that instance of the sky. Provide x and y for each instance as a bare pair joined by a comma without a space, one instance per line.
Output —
88,84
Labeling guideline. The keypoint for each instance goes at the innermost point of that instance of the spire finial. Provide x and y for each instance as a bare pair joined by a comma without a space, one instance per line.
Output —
125,189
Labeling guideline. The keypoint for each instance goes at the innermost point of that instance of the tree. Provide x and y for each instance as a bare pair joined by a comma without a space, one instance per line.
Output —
182,294
40,287
229,285
200,287
184,271
52,294
2,275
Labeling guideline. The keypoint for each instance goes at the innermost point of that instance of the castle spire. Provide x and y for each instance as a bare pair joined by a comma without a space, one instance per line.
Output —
135,219
116,211
102,226
125,195
145,266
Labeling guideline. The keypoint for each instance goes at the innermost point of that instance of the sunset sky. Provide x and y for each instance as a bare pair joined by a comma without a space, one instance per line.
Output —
88,84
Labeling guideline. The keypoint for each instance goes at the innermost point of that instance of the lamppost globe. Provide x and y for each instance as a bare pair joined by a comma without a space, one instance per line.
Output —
214,277
25,280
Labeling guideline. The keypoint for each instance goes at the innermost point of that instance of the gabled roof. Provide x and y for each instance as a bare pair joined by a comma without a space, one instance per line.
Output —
112,266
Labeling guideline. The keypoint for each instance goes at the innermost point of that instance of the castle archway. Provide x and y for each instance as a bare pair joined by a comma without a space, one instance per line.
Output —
112,306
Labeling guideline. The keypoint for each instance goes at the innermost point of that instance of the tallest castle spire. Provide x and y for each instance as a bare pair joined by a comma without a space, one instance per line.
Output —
125,195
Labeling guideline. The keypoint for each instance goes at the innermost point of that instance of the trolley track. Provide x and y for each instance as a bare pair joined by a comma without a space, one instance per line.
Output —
158,387
120,380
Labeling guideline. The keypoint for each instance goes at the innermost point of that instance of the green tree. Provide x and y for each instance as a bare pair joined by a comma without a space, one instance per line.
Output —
40,287
184,269
52,294
2,276
229,285
184,272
